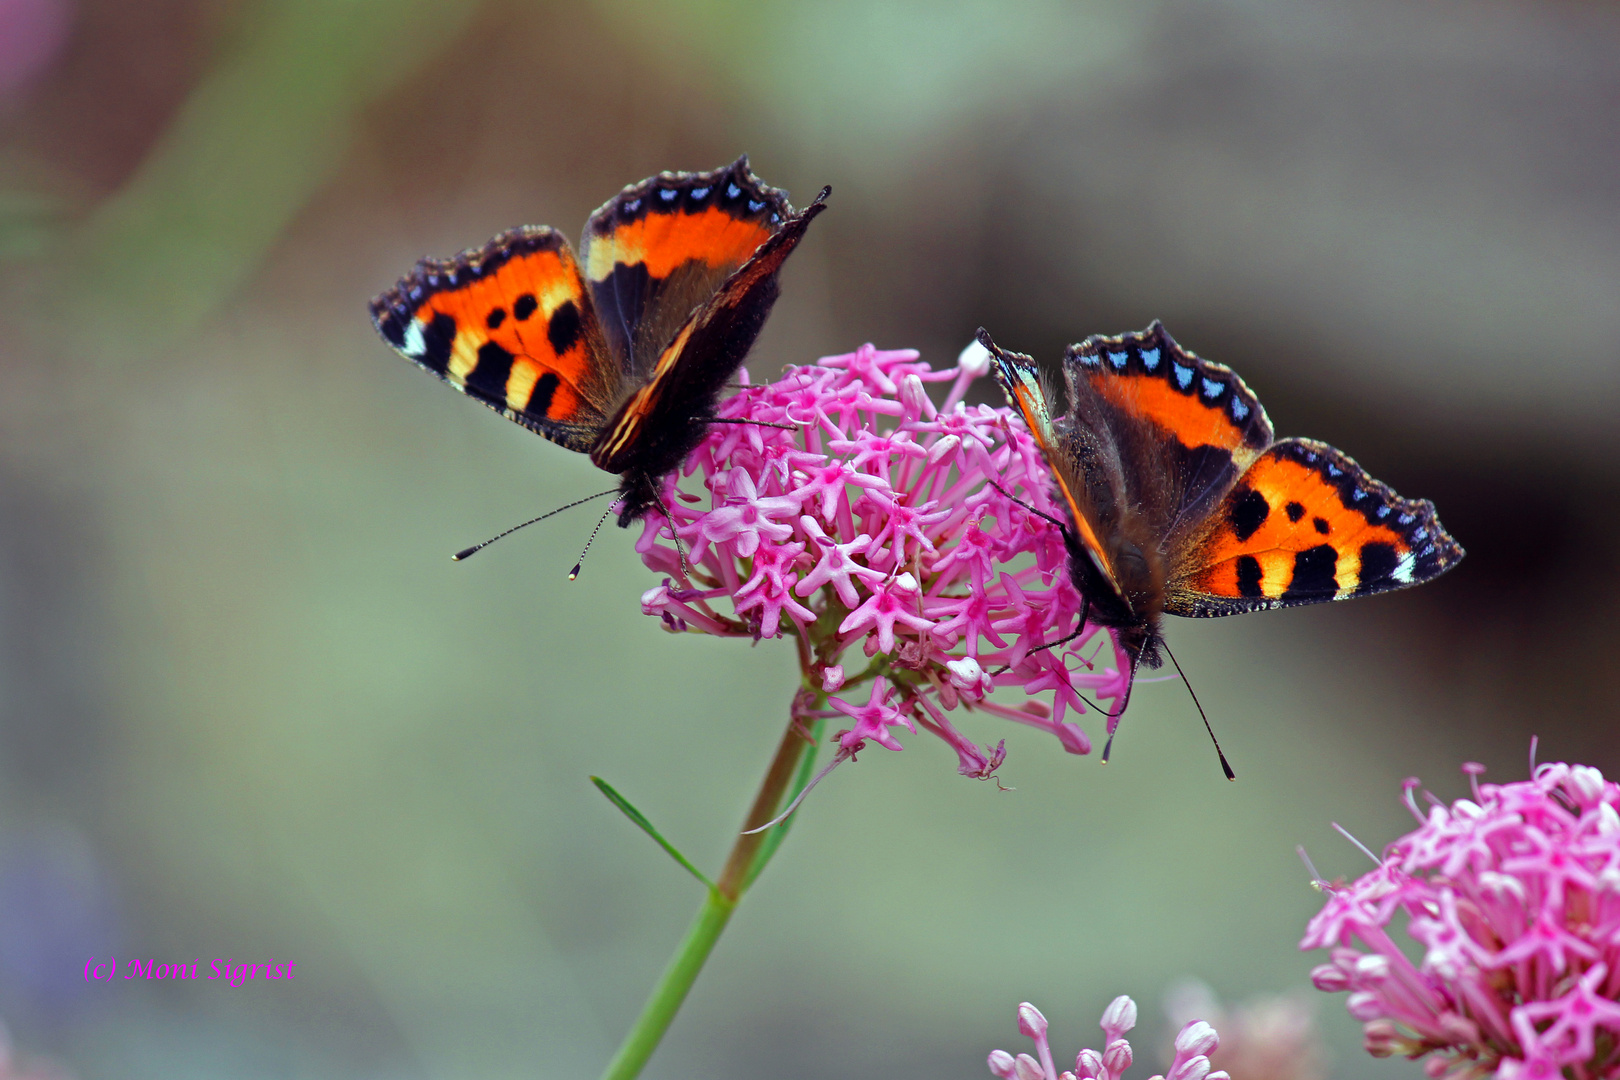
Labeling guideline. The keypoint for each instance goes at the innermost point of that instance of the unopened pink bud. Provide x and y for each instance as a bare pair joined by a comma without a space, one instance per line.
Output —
1198,1037
1194,1068
1371,970
1088,1064
975,359
1002,1064
1380,1038
965,673
1364,1005
913,396
944,448
1119,1017
1329,977
1027,1068
1031,1022
832,677
1117,1057
1587,783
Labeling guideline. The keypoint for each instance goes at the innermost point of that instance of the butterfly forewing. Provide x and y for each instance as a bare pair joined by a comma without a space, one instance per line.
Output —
660,249
722,330
1305,524
1177,430
512,325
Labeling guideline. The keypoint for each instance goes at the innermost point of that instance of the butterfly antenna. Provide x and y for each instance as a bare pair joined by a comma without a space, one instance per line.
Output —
686,569
466,553
574,573
1225,767
1136,663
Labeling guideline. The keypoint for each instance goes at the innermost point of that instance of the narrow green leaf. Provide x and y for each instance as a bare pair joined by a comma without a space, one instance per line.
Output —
647,827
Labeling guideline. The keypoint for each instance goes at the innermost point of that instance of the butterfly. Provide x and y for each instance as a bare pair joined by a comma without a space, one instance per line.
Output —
1182,502
621,354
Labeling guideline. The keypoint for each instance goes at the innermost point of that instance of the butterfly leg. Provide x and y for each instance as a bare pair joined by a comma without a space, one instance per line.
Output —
686,569
1085,613
739,420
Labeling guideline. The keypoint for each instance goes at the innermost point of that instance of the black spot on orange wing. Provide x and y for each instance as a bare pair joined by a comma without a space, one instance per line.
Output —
564,328
1313,577
1381,541
494,369
438,337
1248,576
544,388
1247,511
450,316
1378,561
1295,511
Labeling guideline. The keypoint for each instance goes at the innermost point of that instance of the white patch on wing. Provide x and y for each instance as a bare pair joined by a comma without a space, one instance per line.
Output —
413,345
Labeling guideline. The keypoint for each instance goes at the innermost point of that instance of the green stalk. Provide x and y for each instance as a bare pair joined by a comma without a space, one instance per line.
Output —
672,988
785,778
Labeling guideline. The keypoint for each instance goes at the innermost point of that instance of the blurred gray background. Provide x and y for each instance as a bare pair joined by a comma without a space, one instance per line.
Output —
249,708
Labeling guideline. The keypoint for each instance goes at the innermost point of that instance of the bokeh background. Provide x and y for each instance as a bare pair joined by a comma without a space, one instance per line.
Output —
248,708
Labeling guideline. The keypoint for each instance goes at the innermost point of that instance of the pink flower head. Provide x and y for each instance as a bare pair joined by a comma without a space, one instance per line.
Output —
1195,1042
884,532
1514,897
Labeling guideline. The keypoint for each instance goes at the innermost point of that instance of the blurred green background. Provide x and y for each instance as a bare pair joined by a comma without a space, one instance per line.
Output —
248,707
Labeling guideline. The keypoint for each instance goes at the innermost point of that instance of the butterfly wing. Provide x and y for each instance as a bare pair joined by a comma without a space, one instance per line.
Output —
660,250
1170,431
1028,391
1306,524
661,421
511,325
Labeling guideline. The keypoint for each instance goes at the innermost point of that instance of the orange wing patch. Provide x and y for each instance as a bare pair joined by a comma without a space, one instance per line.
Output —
1197,402
511,325
663,242
1307,524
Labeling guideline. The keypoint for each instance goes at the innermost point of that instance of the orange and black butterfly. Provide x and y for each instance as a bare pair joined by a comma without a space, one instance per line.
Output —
622,354
1181,501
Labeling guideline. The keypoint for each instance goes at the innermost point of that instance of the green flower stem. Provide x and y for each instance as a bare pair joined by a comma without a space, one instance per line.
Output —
784,778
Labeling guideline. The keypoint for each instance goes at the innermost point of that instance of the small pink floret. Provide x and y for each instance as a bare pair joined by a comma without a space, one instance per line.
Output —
1515,896
875,525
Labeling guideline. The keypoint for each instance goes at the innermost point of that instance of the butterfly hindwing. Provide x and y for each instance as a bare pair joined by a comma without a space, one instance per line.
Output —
1303,525
661,248
512,325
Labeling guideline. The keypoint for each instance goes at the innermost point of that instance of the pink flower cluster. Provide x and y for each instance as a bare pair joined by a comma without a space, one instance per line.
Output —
1194,1043
1514,896
842,506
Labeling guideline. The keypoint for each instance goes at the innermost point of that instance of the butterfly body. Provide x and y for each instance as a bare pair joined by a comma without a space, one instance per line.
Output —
623,353
1182,502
